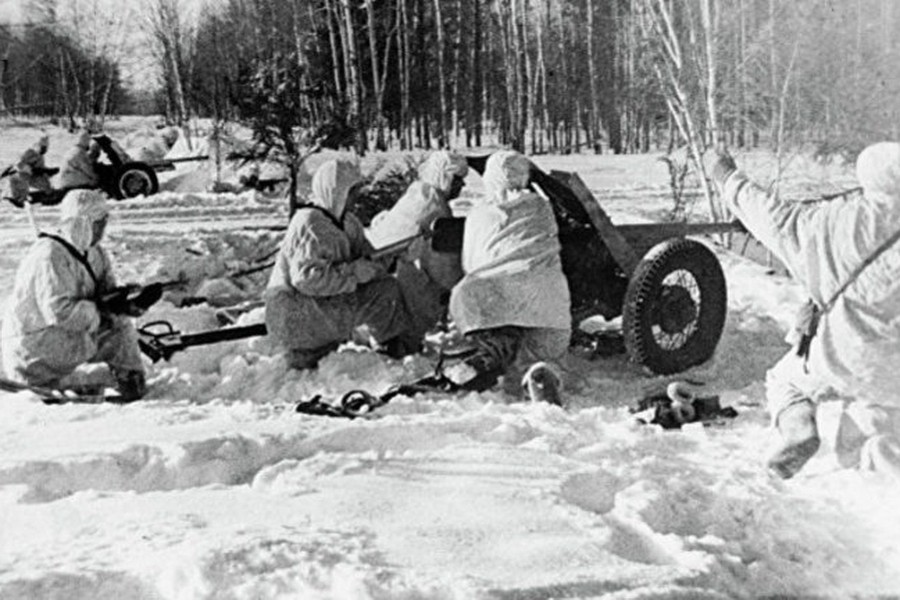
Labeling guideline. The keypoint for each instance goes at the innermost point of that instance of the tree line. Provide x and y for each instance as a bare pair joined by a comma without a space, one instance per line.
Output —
559,75
61,63
537,75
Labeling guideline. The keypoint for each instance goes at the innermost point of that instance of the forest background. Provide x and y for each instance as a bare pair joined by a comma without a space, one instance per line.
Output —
541,76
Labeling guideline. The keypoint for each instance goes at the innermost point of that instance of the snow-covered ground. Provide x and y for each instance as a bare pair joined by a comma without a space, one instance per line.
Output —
213,488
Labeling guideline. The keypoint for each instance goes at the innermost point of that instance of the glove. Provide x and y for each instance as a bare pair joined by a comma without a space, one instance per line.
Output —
147,296
366,270
719,165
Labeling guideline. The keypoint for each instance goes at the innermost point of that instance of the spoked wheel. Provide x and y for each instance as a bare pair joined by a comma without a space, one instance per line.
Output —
674,308
136,179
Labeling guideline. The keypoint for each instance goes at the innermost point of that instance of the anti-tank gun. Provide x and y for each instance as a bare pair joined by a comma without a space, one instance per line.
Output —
668,288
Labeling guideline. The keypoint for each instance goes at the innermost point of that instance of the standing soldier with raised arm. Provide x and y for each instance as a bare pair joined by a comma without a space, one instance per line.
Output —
846,255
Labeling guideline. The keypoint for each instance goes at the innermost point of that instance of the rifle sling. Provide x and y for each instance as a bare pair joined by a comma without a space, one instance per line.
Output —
339,223
809,323
79,256
885,245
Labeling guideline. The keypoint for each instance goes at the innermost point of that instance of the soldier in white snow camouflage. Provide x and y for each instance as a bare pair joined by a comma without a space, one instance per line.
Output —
845,256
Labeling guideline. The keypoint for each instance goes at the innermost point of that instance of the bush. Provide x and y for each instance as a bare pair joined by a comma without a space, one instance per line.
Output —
381,190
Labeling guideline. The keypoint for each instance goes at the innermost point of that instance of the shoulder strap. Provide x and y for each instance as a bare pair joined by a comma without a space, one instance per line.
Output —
885,245
337,222
79,256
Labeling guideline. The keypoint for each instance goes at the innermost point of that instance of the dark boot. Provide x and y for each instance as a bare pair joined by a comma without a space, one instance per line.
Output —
401,346
799,439
542,384
132,385
17,202
495,352
309,359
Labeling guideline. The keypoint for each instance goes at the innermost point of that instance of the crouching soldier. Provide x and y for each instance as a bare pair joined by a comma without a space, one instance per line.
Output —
56,319
513,302
846,255
323,287
425,276
79,169
30,173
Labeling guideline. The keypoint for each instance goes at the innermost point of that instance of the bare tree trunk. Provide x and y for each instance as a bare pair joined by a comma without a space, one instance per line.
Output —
457,64
529,80
64,91
542,74
709,12
741,74
376,77
107,90
780,124
592,76
477,75
77,106
345,50
310,105
773,68
636,118
166,28
353,80
492,105
335,54
518,112
510,70
403,45
442,76
567,106
423,88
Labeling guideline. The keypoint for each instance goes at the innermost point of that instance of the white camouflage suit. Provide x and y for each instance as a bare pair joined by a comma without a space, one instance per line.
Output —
513,272
424,275
79,168
322,286
28,173
856,351
51,324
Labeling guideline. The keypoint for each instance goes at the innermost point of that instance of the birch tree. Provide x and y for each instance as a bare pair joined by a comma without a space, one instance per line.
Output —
170,37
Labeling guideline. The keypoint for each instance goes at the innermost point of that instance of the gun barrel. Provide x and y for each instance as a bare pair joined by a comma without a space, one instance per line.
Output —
226,334
162,344
172,161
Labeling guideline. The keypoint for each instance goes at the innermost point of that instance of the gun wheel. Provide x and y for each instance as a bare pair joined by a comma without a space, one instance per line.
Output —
136,179
674,308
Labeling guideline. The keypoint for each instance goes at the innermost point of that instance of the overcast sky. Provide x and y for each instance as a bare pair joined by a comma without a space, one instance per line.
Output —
10,11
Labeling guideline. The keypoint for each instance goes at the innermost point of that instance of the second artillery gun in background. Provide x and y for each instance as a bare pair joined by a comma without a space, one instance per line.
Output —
119,176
